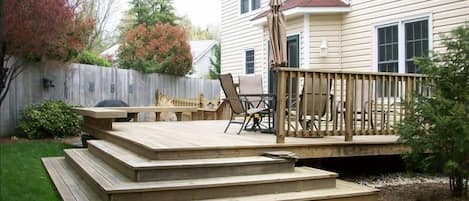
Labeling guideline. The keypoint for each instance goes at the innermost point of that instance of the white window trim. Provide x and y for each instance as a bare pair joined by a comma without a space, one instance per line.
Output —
244,61
401,40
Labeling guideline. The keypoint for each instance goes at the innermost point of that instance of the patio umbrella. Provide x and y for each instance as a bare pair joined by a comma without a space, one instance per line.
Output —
278,40
277,34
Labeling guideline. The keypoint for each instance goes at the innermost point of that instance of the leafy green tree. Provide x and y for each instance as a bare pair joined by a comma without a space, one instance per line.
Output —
215,70
162,48
199,33
439,124
150,12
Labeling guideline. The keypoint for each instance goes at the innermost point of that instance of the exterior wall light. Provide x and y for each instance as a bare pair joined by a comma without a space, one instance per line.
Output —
323,47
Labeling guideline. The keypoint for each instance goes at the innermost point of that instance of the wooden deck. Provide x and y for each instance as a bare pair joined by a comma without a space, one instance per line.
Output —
173,140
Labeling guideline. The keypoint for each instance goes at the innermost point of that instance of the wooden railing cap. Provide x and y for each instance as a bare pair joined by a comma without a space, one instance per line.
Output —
100,113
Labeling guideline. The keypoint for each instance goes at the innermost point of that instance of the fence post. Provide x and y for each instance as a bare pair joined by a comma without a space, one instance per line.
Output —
280,110
349,108
157,96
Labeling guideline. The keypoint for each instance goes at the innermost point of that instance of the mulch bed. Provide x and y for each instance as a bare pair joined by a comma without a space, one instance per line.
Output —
418,192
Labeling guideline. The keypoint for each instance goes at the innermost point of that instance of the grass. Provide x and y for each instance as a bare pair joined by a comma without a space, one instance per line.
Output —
22,175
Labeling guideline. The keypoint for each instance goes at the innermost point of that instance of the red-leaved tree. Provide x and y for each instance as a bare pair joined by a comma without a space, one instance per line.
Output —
39,30
161,48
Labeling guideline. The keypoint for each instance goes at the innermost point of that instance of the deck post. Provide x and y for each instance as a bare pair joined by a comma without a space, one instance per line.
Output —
280,110
349,108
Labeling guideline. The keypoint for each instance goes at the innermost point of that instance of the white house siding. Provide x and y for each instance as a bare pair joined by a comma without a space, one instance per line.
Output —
325,27
358,25
239,35
202,67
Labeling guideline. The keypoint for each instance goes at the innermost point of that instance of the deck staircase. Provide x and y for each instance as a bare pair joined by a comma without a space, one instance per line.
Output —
109,172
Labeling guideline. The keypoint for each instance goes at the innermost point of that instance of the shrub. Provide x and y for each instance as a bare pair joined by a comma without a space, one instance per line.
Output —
92,58
161,48
438,125
49,119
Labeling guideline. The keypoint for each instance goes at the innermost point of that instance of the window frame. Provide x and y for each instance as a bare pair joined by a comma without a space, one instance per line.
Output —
246,62
401,39
249,7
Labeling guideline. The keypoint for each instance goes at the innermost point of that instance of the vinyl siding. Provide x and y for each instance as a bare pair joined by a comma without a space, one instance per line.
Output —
239,35
358,26
325,27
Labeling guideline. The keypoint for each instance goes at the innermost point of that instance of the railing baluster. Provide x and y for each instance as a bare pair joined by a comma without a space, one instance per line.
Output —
290,97
297,105
304,103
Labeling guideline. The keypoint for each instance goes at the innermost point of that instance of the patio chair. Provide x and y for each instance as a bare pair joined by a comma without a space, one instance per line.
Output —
235,102
318,95
250,86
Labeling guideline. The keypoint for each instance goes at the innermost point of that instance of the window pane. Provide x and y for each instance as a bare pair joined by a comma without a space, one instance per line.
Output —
255,4
409,32
381,36
382,53
244,6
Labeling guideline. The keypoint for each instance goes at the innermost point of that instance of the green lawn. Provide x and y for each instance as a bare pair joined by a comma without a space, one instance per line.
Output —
22,175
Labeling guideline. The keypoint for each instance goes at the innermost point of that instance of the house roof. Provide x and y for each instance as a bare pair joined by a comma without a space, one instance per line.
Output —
200,47
289,4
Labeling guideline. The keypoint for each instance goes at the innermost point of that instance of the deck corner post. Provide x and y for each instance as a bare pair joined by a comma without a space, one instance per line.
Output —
280,114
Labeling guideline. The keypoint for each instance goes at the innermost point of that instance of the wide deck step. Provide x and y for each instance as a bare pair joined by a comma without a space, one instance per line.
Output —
67,182
72,188
108,182
344,191
139,168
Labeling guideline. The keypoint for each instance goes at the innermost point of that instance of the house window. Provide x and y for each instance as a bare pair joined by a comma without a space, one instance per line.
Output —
249,5
249,59
395,53
244,6
416,43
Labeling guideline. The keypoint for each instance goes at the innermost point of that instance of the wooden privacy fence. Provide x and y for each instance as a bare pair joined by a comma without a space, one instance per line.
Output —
320,103
86,85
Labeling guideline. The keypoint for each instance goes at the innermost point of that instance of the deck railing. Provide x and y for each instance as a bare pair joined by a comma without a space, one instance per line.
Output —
324,103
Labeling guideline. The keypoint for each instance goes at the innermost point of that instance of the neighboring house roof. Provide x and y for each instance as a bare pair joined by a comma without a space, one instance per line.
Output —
201,47
290,4
111,52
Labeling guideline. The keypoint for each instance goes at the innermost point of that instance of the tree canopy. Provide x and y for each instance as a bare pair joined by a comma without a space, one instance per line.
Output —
38,31
438,125
150,12
161,48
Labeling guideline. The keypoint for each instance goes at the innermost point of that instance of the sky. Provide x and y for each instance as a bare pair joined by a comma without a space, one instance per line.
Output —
201,12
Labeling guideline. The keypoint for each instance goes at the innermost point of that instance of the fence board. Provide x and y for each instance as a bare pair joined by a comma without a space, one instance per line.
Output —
73,84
